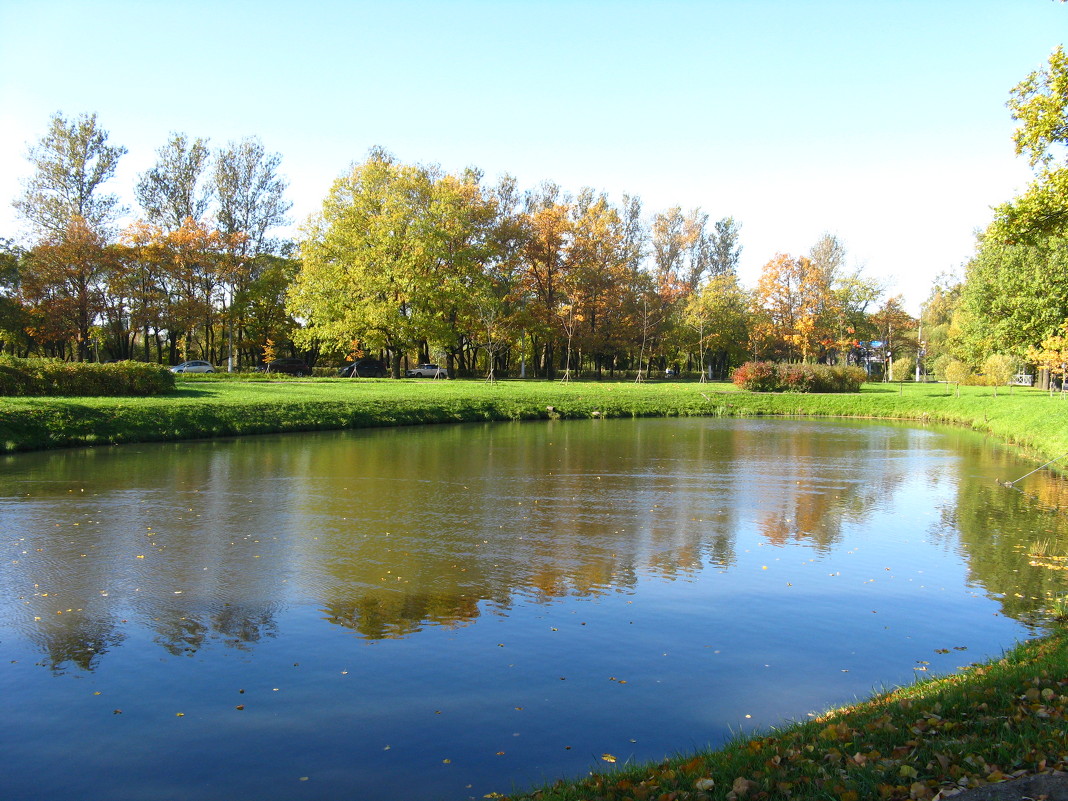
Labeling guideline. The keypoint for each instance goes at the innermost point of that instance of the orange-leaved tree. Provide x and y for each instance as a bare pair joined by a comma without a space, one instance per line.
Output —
793,305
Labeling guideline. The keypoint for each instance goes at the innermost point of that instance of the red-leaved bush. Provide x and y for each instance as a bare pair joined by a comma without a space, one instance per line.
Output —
775,377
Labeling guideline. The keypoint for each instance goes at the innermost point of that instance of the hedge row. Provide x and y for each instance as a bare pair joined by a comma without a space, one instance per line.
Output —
51,377
776,377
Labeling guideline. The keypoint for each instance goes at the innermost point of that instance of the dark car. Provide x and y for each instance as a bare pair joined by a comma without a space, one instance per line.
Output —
364,368
288,366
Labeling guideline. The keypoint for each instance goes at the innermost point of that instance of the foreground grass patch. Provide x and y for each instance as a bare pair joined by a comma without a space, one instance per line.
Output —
986,724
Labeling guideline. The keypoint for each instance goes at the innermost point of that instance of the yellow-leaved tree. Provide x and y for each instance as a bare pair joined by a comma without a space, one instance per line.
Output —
1052,355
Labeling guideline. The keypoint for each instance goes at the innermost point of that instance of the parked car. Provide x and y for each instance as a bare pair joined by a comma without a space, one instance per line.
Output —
193,367
288,366
364,368
427,371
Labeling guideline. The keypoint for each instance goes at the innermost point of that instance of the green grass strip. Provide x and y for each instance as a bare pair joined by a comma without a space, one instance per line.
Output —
203,407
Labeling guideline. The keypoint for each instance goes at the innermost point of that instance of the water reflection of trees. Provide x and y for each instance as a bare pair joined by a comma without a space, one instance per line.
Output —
820,479
389,532
1004,533
76,639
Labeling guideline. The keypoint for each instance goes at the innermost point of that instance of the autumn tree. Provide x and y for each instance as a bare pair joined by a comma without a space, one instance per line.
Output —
604,255
62,288
999,368
896,328
846,313
548,237
789,302
175,283
1051,354
957,373
499,300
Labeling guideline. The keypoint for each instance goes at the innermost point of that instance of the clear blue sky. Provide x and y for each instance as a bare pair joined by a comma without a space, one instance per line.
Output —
881,121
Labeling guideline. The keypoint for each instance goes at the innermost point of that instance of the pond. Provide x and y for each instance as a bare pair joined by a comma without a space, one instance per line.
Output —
446,612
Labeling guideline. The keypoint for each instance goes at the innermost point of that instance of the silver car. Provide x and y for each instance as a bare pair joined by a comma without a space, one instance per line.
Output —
193,367
427,371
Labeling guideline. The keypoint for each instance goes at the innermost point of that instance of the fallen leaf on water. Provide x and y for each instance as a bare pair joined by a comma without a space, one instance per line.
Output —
608,758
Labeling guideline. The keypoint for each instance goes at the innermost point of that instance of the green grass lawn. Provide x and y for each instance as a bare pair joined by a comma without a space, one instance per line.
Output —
205,406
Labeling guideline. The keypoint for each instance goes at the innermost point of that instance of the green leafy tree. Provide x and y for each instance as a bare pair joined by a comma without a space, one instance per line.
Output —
726,249
1039,104
369,261
13,316
72,161
1012,297
936,318
250,193
719,314
176,186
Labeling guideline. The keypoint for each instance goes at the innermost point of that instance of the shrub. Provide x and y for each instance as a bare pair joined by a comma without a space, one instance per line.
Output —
38,377
938,367
772,377
757,376
904,369
1000,368
957,372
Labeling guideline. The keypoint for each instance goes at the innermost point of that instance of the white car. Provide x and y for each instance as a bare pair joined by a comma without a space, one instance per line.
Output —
427,371
193,367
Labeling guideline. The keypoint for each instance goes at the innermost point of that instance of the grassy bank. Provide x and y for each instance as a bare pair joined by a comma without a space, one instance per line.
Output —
203,407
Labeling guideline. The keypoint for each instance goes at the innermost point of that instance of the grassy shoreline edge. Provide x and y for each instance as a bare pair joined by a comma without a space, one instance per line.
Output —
929,740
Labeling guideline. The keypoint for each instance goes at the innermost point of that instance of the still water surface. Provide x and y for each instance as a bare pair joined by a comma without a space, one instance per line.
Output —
446,612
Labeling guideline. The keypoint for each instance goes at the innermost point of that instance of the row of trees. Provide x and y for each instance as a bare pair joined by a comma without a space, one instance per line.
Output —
405,259
1012,300
196,267
405,262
